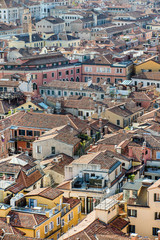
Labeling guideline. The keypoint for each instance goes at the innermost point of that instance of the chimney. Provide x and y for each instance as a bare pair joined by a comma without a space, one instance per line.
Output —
106,130
118,149
155,116
100,125
134,236
8,219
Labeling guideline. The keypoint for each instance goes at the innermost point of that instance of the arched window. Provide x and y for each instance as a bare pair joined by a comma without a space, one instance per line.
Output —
34,86
77,79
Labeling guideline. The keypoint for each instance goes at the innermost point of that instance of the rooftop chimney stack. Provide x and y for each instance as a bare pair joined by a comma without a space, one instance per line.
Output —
8,219
134,236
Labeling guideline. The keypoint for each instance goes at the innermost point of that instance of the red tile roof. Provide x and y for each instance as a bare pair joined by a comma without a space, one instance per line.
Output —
97,228
73,202
24,181
25,220
119,223
48,192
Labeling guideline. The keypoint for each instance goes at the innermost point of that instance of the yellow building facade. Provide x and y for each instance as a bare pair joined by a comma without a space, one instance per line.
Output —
52,213
150,65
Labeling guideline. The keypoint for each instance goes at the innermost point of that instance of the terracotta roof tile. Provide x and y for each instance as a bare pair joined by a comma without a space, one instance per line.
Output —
24,181
97,228
48,121
48,192
73,202
25,220
119,223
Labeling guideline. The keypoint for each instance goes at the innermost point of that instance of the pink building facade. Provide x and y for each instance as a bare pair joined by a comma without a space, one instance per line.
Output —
112,73
44,70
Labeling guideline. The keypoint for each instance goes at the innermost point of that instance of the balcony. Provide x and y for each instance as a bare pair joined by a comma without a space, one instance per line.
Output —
38,210
96,183
140,200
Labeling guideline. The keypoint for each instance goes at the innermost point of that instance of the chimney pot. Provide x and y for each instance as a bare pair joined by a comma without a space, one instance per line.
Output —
8,219
134,236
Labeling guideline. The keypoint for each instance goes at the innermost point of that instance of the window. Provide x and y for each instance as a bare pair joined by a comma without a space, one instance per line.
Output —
148,83
158,85
65,93
34,86
34,76
59,74
103,70
38,234
52,74
21,132
155,231
53,150
59,93
69,217
62,223
5,89
108,80
98,80
58,236
71,71
102,96
71,93
46,229
29,133
88,69
32,203
157,215
67,72
48,92
36,133
45,75
79,208
15,89
28,145
58,221
157,197
119,70
132,213
131,228
42,91
77,70
118,122
51,226
39,149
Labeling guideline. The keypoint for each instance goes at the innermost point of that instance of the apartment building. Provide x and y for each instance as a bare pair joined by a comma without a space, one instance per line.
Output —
147,79
59,140
123,114
44,68
104,67
53,25
46,214
95,176
142,197
65,89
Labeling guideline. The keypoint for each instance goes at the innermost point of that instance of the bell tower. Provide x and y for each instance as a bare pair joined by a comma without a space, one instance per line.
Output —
27,23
